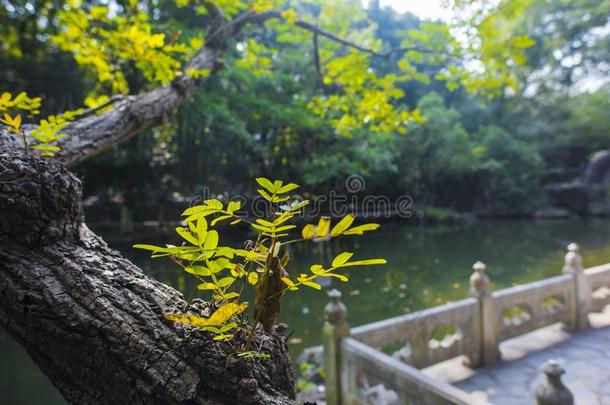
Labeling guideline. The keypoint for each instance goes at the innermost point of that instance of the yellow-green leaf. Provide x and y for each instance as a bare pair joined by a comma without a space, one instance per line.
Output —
261,228
312,285
359,230
198,270
264,223
211,241
307,231
289,283
341,277
226,281
188,319
207,286
285,228
266,184
187,235
288,187
219,317
233,206
345,223
317,269
253,277
202,227
366,262
225,312
231,295
341,259
322,228
149,247
220,218
265,195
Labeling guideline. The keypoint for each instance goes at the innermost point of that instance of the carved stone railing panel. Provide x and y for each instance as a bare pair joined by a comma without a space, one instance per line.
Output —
599,280
416,336
525,308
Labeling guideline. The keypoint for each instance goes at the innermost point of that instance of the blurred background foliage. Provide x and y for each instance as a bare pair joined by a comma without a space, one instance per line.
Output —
472,154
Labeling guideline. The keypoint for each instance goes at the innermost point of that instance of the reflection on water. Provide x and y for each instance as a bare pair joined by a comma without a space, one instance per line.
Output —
427,266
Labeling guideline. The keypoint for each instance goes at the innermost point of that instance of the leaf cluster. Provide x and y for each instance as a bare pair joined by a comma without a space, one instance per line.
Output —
225,272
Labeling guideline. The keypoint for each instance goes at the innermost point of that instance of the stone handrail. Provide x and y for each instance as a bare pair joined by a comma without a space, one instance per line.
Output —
357,368
388,380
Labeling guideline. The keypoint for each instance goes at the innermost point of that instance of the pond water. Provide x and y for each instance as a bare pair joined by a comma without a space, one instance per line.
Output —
426,266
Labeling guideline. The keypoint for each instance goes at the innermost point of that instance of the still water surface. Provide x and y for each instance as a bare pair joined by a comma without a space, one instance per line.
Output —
427,266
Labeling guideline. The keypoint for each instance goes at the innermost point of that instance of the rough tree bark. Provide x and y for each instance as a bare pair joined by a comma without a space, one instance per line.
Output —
94,322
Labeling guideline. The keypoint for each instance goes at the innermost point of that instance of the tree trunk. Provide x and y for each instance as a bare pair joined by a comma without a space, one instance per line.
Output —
94,322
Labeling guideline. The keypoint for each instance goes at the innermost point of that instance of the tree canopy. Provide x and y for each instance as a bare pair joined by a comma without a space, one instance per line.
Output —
316,90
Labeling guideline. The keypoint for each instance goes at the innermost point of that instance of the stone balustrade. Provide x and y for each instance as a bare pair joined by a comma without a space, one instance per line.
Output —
359,371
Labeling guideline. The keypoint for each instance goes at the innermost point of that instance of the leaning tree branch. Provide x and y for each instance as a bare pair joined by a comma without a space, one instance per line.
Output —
91,135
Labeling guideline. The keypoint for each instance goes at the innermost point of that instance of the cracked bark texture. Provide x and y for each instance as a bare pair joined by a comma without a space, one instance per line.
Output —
94,322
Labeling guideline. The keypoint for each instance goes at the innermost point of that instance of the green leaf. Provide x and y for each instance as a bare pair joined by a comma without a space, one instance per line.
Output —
366,262
266,184
288,187
220,218
149,247
265,195
308,231
219,264
341,277
318,270
341,259
220,316
226,281
285,228
198,270
253,277
187,235
312,285
261,228
288,282
202,227
211,241
322,228
282,218
228,327
359,230
233,206
345,223
199,210
213,204
264,223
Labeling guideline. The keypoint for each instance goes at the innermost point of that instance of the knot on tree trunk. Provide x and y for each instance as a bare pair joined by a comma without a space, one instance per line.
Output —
39,200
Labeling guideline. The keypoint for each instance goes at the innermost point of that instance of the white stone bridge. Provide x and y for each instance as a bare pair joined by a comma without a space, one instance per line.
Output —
486,349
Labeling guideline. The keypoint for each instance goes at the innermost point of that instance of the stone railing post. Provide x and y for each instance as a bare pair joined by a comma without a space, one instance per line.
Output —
582,289
488,324
552,391
335,328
